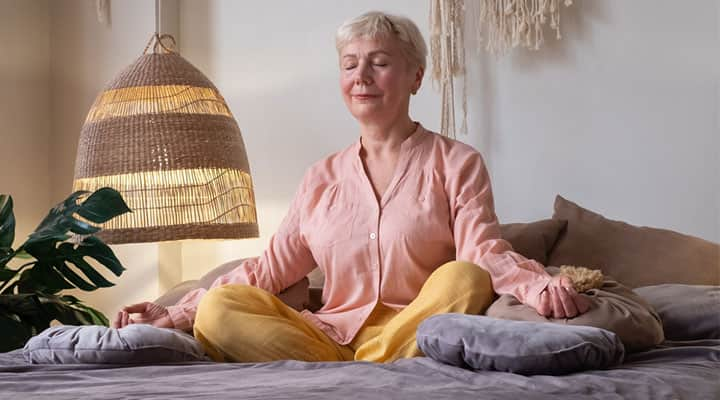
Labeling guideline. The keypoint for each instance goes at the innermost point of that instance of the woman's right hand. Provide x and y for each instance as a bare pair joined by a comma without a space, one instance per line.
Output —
144,313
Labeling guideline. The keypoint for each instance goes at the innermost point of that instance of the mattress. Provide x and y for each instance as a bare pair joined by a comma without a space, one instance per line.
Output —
673,370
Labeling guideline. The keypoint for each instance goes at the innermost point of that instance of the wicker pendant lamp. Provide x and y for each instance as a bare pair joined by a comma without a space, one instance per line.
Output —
162,135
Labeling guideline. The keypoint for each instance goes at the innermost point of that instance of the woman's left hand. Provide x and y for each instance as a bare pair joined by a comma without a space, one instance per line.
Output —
560,300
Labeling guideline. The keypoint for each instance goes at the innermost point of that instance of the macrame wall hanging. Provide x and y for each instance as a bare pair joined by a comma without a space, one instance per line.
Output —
102,9
447,53
500,25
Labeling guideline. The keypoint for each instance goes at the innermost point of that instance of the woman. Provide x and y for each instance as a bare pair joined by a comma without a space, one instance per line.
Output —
402,223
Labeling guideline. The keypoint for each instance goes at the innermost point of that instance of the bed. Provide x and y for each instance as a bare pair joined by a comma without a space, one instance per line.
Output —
673,369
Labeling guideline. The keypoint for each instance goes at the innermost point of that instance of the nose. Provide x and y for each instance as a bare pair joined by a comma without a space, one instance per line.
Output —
362,75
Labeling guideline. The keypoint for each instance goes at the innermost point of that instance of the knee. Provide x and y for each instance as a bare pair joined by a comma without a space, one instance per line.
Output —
222,296
215,305
460,282
463,276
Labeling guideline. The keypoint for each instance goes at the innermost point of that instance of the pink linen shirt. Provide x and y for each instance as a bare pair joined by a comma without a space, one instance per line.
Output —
438,207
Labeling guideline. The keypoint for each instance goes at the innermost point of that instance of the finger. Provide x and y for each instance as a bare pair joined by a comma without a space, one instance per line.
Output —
142,319
568,303
565,281
558,311
116,321
583,303
125,317
136,308
544,307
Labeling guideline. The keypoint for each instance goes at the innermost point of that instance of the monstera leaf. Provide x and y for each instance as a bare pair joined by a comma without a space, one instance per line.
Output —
64,239
58,255
7,230
99,207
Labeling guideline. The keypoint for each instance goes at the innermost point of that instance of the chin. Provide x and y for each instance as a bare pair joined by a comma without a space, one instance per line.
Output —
366,115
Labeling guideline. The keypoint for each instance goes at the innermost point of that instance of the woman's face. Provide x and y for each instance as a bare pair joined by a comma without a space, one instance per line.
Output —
376,80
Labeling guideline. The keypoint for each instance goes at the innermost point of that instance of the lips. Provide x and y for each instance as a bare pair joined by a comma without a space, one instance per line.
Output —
365,96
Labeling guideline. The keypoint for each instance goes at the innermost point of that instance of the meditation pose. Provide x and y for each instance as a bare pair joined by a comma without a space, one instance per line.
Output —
401,222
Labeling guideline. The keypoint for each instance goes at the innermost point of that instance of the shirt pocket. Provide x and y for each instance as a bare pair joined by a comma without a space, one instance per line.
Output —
332,220
425,212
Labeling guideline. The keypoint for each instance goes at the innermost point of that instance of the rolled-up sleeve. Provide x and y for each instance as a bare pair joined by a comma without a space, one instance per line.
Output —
285,261
477,232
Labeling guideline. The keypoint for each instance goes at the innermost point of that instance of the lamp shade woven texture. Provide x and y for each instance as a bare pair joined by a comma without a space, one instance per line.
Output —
162,135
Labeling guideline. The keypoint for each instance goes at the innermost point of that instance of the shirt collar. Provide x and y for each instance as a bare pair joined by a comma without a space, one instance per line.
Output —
409,143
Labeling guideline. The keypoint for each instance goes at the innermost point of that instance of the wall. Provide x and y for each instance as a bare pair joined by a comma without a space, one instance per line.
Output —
25,111
620,116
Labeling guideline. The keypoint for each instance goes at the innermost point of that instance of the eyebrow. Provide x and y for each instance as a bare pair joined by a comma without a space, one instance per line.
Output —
372,53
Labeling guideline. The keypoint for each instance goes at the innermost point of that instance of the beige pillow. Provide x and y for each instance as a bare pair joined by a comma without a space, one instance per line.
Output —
296,296
534,240
615,308
635,256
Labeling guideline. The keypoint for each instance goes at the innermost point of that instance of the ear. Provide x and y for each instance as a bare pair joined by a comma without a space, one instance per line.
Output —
418,79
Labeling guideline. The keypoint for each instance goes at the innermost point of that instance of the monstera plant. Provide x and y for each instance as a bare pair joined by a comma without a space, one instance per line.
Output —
54,257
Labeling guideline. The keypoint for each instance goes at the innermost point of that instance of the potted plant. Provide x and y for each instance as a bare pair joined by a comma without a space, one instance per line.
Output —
54,258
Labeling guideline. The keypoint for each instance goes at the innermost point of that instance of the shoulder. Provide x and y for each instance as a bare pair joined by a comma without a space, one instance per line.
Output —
452,155
329,170
462,168
332,167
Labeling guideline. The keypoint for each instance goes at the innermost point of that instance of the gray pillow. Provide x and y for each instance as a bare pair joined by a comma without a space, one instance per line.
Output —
93,344
528,348
688,312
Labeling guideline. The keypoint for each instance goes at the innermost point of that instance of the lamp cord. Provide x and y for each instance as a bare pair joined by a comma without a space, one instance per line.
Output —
157,17
158,38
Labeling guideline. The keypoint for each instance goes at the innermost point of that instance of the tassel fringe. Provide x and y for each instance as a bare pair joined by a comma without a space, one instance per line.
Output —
502,25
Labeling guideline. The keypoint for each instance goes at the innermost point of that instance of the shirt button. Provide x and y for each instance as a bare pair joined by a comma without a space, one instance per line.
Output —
372,236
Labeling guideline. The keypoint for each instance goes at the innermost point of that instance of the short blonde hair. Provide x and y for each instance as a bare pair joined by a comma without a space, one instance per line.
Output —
380,25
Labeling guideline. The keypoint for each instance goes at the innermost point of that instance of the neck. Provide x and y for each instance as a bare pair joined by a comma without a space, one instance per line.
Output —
380,140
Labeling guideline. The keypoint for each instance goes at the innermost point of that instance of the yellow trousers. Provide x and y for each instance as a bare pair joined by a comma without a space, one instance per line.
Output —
246,324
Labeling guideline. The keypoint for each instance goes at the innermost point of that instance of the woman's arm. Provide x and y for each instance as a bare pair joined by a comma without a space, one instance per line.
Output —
478,240
286,260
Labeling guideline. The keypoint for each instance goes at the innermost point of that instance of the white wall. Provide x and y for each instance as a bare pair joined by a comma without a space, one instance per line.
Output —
25,110
620,116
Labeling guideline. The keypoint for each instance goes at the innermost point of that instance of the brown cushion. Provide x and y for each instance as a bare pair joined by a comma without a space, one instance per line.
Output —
635,256
534,240
615,308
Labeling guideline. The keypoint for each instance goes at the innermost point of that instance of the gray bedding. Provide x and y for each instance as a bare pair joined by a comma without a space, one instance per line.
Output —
675,370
